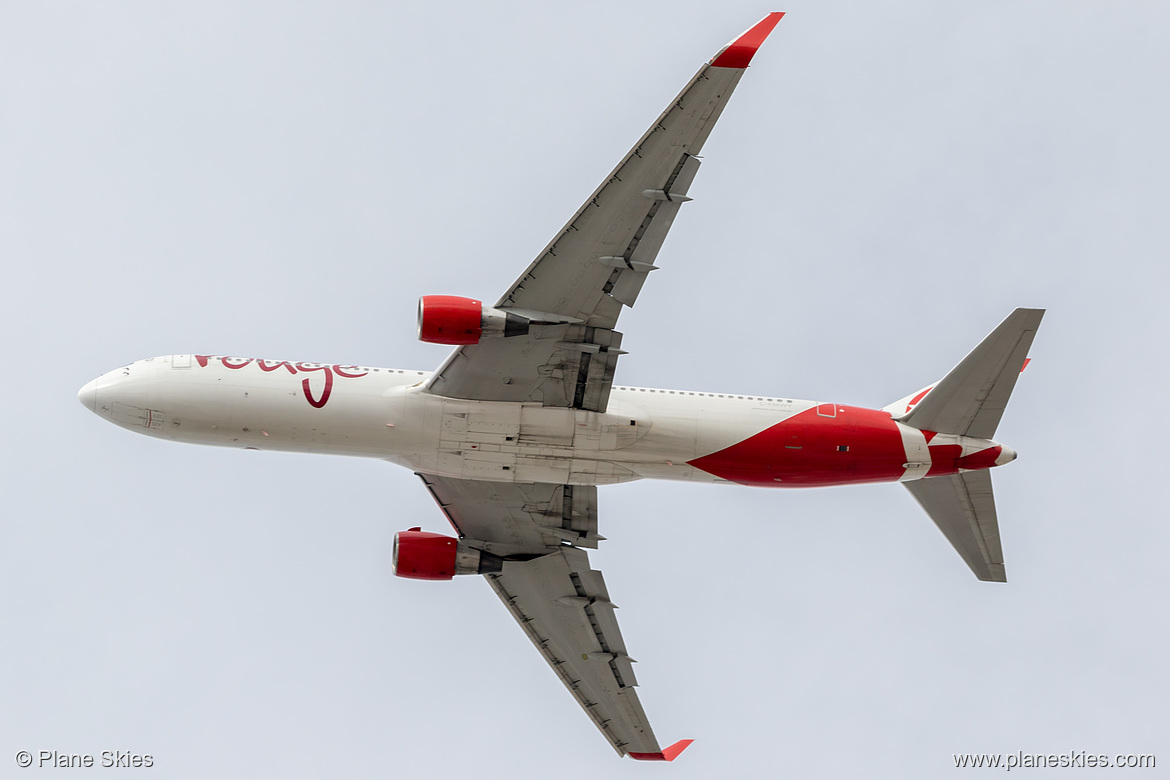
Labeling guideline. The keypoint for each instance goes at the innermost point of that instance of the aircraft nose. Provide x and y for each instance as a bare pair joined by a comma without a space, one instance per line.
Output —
1006,455
88,395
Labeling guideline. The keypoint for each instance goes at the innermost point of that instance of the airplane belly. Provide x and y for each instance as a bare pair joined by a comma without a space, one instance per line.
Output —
658,435
521,442
688,426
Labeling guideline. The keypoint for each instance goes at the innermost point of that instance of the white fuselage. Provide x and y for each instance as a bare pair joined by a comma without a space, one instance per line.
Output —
386,413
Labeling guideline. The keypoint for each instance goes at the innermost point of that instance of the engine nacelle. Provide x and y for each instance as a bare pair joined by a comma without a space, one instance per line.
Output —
421,555
449,319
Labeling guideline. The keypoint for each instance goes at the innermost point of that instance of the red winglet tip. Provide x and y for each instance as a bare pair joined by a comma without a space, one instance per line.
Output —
1026,362
669,754
739,52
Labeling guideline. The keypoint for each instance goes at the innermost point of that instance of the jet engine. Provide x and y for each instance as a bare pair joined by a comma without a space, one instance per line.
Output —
449,319
421,555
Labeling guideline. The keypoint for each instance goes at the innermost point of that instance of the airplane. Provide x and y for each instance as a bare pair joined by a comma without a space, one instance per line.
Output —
516,429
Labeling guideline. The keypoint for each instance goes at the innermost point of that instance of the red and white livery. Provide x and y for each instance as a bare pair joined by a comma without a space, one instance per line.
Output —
513,433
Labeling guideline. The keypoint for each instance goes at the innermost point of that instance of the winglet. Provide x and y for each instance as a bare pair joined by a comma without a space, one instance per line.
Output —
739,52
670,753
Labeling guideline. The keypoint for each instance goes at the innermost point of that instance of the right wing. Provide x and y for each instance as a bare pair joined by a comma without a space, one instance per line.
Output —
560,602
560,348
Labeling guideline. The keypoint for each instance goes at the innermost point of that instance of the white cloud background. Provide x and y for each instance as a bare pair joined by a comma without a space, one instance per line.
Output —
285,179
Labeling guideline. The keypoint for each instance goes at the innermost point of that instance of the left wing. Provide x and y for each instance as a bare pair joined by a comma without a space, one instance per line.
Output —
560,602
562,347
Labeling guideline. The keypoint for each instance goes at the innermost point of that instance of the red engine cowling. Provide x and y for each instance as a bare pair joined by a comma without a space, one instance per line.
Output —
421,555
449,319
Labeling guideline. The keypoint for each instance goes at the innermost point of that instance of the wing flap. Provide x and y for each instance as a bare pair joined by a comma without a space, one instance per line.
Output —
555,365
506,518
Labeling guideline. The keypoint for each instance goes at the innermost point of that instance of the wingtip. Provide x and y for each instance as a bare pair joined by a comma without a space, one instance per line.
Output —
739,53
667,754
672,752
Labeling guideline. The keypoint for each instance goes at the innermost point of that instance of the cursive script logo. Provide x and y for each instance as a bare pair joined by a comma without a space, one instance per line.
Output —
268,366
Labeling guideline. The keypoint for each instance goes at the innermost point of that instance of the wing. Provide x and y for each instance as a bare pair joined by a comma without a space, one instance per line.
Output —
562,604
569,299
564,608
508,518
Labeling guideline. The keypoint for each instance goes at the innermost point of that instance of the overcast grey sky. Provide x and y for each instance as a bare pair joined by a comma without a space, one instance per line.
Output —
285,179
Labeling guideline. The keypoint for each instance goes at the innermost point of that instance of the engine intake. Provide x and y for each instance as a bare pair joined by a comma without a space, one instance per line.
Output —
421,555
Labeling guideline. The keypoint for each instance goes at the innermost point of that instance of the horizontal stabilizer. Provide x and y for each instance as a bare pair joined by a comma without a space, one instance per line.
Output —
970,400
963,508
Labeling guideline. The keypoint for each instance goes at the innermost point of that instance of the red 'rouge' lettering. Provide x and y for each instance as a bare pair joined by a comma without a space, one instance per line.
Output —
268,366
265,367
315,403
